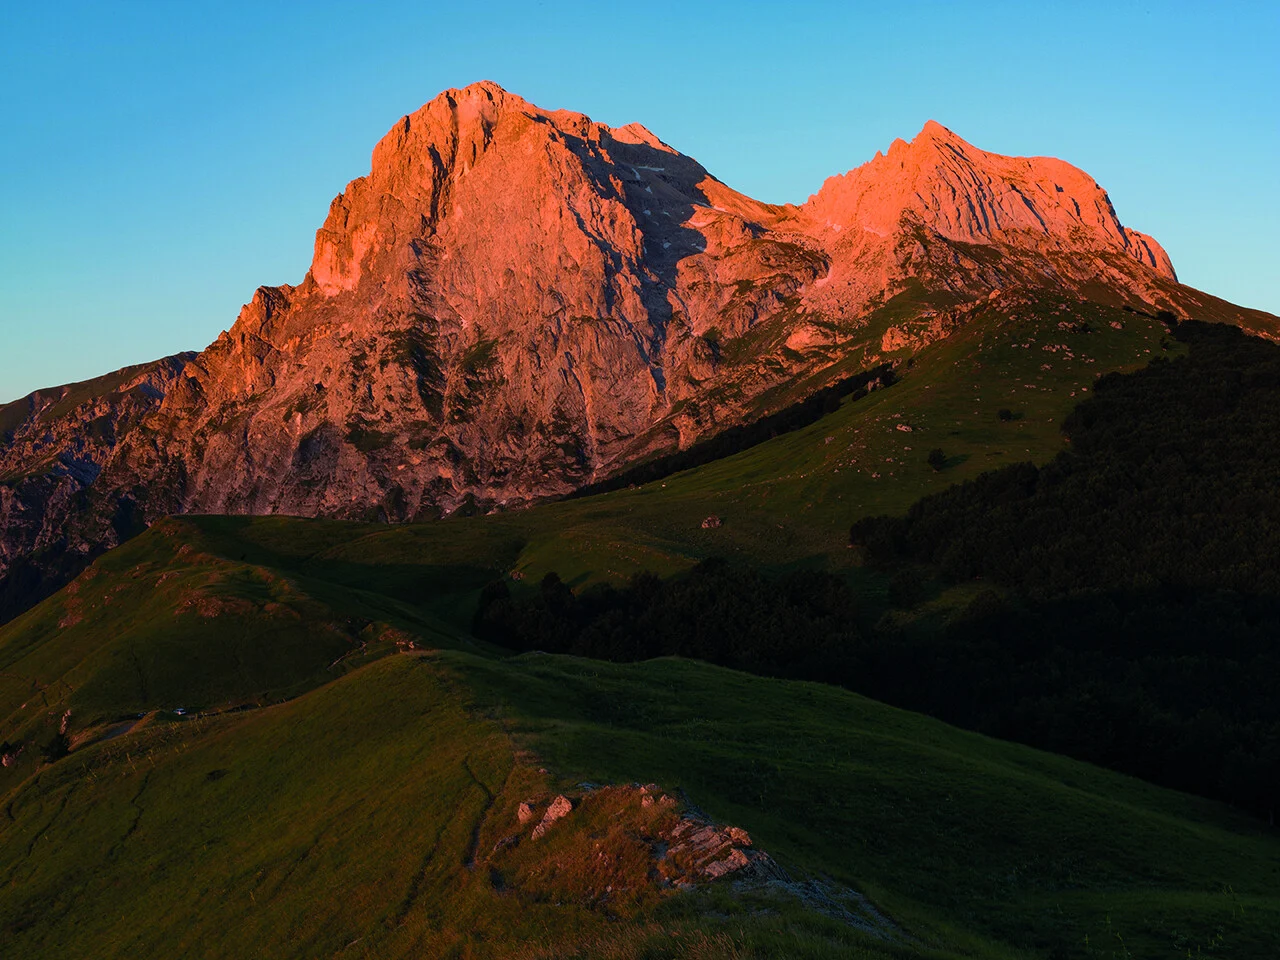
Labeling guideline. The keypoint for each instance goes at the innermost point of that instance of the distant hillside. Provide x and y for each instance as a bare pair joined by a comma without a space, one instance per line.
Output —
1118,604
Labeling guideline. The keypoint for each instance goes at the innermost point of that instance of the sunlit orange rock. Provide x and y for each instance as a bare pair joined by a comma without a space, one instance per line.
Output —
514,302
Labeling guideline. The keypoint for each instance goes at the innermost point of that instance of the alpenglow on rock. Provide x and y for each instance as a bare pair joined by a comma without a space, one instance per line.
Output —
515,302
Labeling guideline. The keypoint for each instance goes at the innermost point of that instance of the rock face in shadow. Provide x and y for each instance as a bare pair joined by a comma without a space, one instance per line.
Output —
54,445
515,302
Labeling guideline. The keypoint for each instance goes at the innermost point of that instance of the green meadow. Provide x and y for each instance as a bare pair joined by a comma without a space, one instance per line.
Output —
276,737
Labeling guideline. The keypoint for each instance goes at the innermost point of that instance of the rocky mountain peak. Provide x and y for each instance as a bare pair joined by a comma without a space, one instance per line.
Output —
516,302
932,136
953,189
639,134
933,130
483,164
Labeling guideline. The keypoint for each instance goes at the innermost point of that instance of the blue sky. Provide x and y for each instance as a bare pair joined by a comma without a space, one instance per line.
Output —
162,160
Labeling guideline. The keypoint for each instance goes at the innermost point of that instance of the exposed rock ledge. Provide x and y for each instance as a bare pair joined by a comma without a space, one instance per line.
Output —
615,848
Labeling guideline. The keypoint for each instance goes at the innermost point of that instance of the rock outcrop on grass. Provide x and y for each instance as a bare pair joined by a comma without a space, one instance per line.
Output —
612,844
621,848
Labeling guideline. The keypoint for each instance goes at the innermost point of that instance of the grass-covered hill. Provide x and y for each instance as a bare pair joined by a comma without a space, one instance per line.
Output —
280,737
372,816
337,790
1130,602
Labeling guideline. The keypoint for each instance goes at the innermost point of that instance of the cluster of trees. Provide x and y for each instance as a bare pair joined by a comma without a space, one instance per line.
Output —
1137,618
1127,609
797,626
1176,689
1170,480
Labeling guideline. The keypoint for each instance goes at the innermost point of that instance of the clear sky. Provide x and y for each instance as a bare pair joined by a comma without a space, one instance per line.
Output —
162,160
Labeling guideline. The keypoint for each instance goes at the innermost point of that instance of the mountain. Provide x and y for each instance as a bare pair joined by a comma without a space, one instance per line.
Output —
942,441
517,302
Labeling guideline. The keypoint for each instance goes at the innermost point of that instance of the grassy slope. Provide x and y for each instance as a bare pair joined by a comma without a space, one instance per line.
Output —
963,840
948,830
334,825
162,623
341,823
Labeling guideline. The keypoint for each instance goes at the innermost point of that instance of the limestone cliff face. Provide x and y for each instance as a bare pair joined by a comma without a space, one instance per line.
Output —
515,302
497,311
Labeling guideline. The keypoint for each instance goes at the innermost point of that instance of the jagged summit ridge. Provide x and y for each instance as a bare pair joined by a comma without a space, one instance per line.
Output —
963,193
440,162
